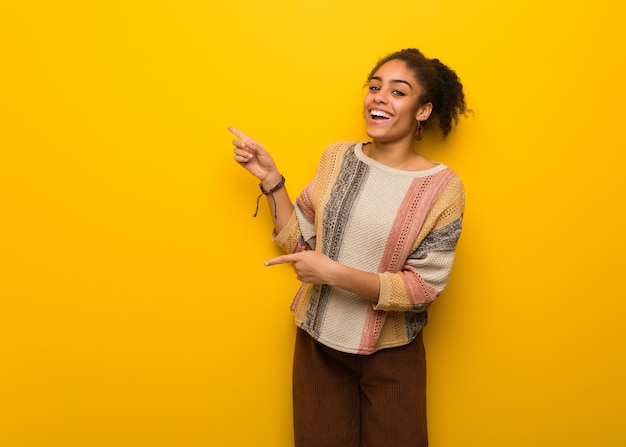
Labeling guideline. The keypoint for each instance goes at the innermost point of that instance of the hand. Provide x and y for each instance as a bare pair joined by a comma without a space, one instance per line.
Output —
253,157
310,266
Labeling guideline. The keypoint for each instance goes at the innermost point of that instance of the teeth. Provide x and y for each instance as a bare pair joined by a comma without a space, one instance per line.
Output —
380,113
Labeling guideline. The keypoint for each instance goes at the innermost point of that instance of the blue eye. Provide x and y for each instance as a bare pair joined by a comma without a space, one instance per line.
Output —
398,93
374,88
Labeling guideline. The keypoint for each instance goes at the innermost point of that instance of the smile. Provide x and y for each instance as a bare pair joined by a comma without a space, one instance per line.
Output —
379,114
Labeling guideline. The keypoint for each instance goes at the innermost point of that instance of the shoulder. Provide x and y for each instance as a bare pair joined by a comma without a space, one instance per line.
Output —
337,149
333,155
447,176
452,191
446,185
454,180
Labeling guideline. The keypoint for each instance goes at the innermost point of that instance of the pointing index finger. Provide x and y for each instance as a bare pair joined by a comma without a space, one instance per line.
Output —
238,133
279,260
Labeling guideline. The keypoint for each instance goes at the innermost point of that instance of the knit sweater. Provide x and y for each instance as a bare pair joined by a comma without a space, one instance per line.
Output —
402,225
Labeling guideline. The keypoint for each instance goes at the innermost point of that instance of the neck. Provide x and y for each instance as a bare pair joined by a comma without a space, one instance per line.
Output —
393,154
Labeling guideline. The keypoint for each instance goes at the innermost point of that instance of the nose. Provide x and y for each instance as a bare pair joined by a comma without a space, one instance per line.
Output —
380,97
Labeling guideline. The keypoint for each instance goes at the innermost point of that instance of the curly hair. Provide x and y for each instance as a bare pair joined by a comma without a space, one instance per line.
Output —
442,87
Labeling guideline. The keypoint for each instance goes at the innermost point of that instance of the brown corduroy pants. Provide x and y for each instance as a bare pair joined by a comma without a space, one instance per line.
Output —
350,400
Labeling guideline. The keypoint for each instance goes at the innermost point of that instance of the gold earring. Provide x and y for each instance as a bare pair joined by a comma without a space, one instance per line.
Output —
419,131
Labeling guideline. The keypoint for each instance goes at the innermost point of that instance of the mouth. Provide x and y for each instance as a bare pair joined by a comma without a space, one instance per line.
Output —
379,115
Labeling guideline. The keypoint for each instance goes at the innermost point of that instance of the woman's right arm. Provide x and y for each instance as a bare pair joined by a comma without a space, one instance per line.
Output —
251,155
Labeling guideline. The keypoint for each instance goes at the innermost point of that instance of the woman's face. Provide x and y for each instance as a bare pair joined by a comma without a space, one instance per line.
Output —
391,106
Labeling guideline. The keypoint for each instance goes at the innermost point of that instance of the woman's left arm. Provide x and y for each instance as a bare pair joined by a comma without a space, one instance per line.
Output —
418,284
420,281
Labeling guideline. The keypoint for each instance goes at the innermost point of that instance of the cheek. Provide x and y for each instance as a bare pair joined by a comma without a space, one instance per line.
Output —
366,103
412,113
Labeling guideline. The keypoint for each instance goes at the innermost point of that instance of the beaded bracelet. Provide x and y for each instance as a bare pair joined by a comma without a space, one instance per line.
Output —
269,193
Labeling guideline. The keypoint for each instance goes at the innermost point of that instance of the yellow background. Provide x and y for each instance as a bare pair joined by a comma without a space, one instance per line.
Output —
135,308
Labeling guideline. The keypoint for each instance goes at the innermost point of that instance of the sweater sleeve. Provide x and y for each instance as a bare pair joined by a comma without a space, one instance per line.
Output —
426,270
299,233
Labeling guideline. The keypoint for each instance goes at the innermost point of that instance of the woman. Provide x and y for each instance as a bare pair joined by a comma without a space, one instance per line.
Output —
372,238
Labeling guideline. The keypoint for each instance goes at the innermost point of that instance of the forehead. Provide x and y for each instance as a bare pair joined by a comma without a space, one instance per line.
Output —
396,70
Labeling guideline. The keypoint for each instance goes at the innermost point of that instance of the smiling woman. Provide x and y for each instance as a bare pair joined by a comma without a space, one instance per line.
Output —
435,82
372,238
134,306
393,106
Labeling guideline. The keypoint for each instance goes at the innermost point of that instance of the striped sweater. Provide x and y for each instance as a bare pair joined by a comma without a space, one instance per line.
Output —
402,225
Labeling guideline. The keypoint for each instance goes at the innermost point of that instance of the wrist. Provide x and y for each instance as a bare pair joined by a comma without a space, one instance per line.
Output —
270,193
271,180
335,273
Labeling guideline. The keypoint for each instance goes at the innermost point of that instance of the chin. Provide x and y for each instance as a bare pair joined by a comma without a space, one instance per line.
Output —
374,133
377,136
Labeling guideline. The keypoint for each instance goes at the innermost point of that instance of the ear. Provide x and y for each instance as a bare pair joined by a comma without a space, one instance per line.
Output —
424,111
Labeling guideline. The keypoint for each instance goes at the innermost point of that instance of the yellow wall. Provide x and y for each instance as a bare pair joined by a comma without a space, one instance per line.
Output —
135,309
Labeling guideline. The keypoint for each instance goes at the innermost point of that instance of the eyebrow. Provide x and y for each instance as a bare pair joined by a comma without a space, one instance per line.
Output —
402,81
